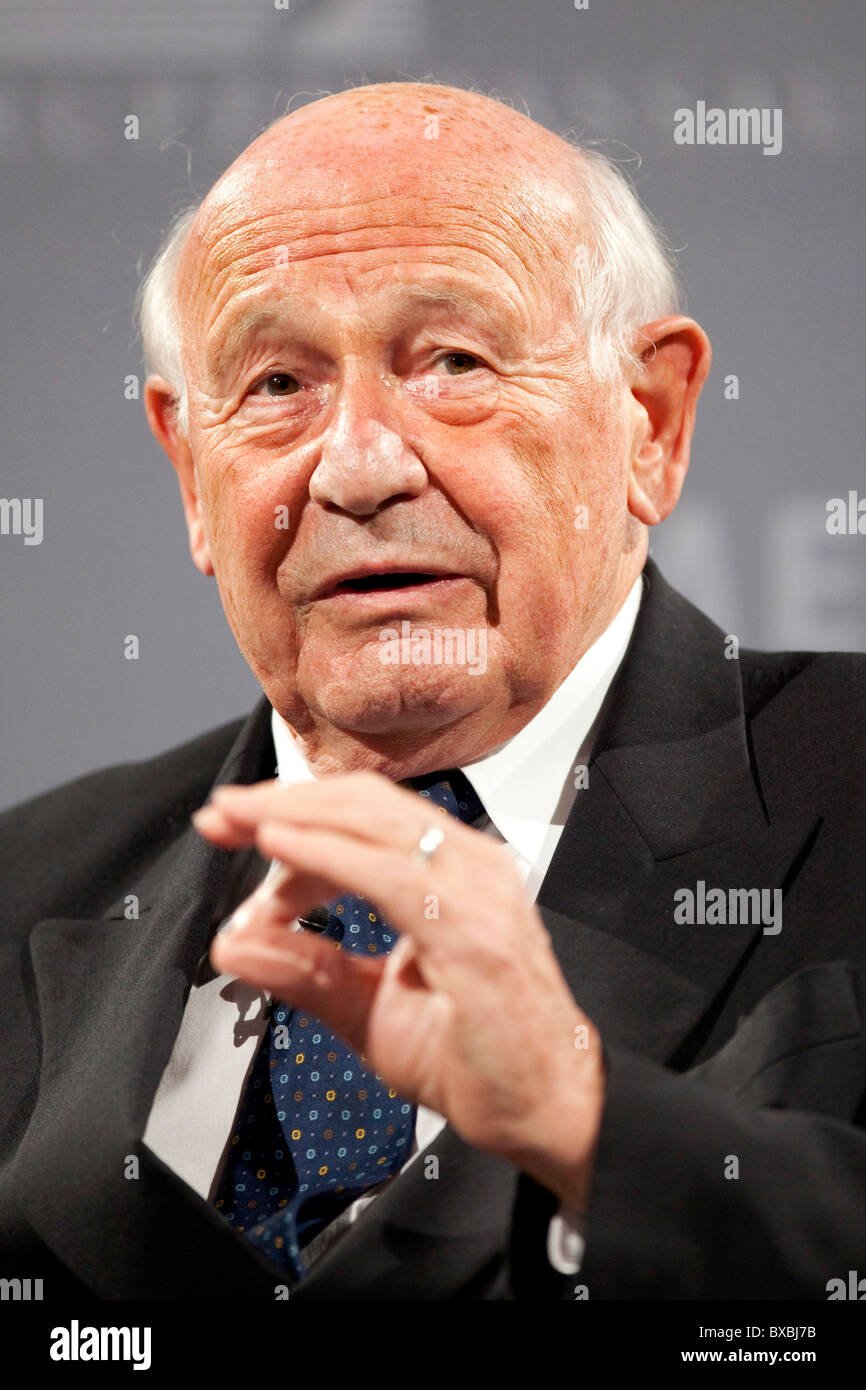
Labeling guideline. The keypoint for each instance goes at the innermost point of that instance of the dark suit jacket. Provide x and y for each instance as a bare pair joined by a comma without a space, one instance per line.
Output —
722,1043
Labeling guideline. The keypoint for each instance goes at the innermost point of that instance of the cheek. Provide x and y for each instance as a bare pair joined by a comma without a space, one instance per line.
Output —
559,463
591,472
250,511
559,513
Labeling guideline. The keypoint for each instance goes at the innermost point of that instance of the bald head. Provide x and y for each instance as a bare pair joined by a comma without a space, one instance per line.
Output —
446,145
401,138
390,155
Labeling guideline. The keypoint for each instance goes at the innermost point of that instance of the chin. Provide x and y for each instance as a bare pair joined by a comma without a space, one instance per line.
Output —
403,699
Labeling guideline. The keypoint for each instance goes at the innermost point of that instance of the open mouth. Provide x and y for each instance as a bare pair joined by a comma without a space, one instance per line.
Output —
396,579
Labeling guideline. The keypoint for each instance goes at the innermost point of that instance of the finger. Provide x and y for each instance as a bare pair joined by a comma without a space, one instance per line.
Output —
365,804
353,791
306,972
281,896
395,883
279,899
288,892
221,827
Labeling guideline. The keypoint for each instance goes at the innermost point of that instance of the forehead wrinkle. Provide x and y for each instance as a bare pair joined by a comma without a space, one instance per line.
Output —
493,290
245,324
216,256
278,226
493,302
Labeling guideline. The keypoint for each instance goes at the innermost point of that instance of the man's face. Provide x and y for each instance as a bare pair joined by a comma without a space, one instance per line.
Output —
386,378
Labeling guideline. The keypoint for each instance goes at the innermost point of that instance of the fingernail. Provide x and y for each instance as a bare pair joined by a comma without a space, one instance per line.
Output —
226,793
239,919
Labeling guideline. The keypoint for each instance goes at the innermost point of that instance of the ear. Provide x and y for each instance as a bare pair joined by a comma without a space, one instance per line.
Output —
675,361
160,405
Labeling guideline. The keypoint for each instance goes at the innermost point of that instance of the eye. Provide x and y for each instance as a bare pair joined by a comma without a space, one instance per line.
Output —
463,362
278,384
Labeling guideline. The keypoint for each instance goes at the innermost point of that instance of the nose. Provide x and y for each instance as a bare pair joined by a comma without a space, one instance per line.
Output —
364,461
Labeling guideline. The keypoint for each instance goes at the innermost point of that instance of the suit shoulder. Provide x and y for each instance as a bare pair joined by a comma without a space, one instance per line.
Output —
806,714
127,812
824,681
180,771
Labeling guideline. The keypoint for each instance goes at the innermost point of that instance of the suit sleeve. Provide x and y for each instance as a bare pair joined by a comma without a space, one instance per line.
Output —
696,1195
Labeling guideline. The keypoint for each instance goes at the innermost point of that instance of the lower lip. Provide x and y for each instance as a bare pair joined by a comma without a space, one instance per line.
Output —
434,589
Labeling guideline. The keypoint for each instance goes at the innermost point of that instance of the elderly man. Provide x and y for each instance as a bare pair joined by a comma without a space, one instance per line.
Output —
538,971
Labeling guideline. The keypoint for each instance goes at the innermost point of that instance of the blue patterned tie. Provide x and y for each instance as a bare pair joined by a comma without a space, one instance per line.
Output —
315,1128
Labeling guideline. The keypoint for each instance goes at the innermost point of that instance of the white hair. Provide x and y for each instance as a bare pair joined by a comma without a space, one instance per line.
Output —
156,311
624,276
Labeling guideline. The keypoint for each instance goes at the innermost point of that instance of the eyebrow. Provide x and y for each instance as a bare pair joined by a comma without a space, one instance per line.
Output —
432,295
491,309
248,322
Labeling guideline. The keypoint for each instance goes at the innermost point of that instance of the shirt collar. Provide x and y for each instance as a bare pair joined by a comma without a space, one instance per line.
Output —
527,785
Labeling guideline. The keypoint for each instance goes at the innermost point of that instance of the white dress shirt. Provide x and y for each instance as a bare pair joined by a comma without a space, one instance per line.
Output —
527,787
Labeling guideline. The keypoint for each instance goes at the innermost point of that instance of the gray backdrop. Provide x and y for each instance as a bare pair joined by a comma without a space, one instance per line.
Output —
771,256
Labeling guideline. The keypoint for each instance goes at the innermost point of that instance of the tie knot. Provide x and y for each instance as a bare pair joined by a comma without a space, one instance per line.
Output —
353,921
450,791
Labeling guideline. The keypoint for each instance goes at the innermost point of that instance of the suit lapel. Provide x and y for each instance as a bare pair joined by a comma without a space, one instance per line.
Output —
111,994
672,800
